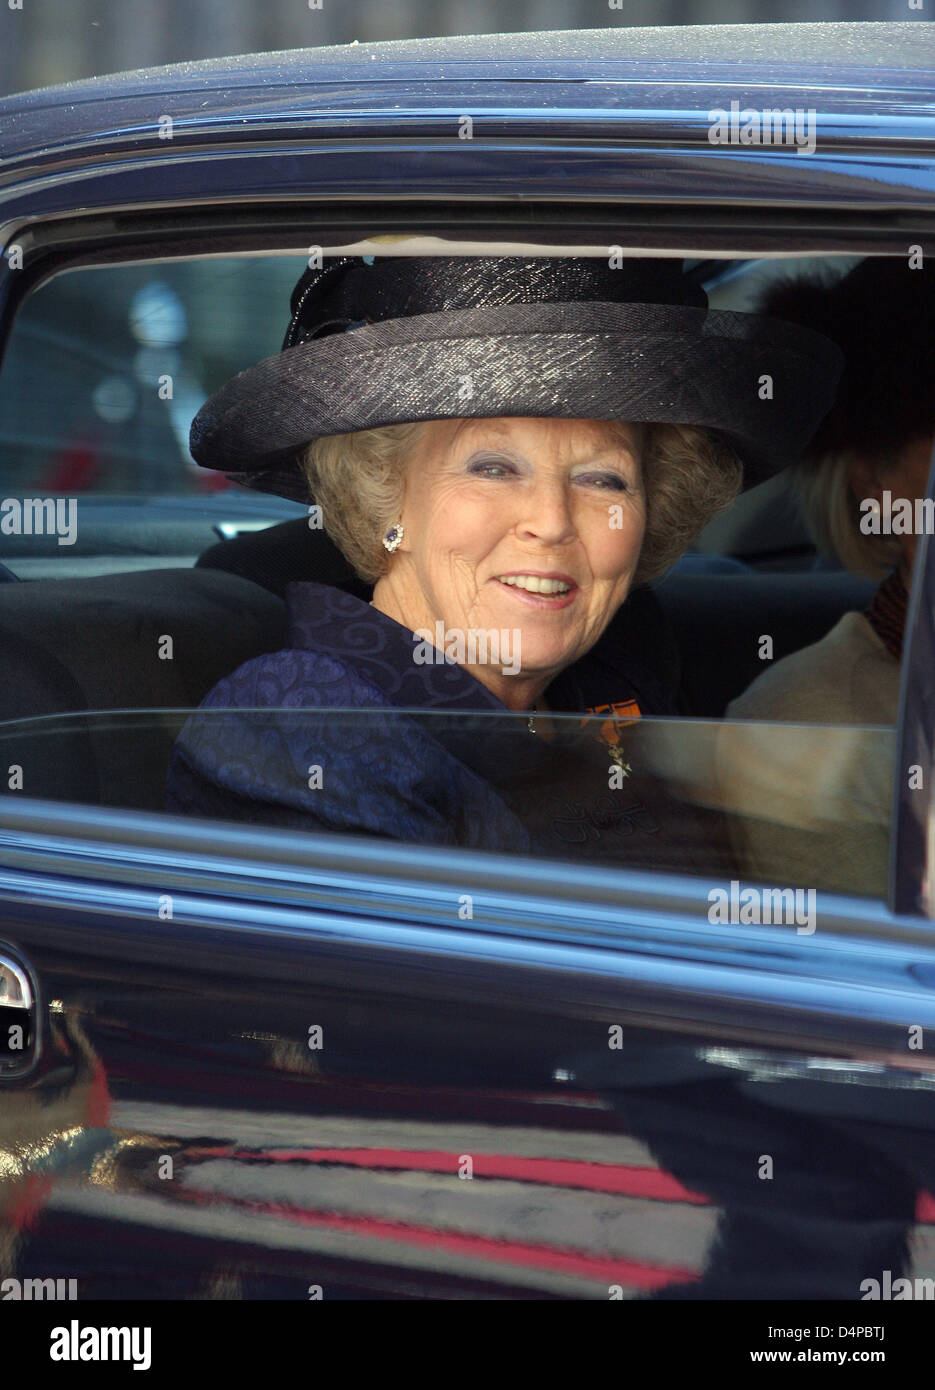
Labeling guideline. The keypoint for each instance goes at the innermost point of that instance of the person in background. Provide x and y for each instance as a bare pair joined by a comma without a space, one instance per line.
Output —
812,804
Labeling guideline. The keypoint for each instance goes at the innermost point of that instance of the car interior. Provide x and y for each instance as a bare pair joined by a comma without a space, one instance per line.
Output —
89,642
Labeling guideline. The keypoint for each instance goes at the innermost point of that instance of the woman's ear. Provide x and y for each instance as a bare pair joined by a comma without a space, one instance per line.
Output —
864,478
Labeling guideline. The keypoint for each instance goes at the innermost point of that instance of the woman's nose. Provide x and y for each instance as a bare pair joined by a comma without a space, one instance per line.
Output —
547,516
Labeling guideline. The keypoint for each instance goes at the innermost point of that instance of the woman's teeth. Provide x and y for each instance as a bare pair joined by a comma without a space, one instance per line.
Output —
535,584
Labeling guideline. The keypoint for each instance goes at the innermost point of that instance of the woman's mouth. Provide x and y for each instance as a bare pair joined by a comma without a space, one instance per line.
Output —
541,590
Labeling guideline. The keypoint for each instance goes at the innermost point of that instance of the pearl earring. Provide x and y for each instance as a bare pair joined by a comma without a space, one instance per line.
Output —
393,536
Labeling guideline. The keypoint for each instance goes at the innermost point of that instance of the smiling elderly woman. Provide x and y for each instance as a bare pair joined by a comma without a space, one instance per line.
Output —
503,448
533,526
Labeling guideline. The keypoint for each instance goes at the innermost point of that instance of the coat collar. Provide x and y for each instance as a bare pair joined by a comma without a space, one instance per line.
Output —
329,620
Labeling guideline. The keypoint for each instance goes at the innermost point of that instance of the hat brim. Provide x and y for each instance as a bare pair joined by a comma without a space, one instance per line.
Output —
763,384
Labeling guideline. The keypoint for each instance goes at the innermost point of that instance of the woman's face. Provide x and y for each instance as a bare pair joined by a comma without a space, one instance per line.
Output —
527,525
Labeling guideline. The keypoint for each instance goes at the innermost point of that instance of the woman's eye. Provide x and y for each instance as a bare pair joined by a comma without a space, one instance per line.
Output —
491,467
614,481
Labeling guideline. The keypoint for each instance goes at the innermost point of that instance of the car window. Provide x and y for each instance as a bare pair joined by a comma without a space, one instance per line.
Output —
107,366
100,682
105,369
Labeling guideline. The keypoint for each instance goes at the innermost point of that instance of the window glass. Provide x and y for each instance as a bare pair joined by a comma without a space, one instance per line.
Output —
105,369
719,801
808,805
107,366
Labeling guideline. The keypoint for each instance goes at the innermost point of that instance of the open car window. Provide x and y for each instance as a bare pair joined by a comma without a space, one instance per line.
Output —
98,688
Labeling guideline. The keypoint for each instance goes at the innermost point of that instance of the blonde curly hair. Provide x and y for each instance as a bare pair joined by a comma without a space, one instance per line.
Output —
832,512
358,480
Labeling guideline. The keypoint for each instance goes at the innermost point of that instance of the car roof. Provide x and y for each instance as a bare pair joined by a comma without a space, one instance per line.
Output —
864,67
854,45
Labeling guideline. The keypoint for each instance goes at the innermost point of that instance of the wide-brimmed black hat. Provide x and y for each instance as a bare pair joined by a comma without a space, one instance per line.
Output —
377,341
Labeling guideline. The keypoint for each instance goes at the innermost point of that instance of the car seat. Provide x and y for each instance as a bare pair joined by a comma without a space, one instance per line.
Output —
71,647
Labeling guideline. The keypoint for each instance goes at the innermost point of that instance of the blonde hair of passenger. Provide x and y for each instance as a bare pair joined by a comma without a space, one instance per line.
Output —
832,515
